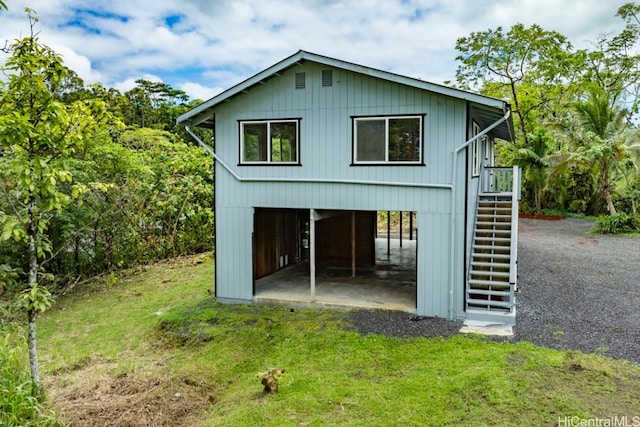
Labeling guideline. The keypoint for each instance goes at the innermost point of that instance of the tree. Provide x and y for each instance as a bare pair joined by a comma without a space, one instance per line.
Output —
157,203
602,125
596,136
616,63
534,162
530,66
154,105
589,96
38,136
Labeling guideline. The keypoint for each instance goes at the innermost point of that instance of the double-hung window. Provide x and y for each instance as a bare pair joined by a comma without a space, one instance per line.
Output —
388,139
270,141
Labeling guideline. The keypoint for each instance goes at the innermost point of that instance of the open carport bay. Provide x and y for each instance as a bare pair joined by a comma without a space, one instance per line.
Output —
389,284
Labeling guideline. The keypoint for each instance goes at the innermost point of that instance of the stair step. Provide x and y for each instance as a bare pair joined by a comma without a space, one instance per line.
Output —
488,292
496,194
494,274
485,204
491,215
494,211
485,303
499,203
490,264
485,234
478,269
494,219
492,230
491,247
481,282
491,223
493,239
507,317
490,255
482,201
495,260
501,208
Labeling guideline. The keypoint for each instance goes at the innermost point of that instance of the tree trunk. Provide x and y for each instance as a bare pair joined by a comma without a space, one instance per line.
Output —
604,182
33,351
518,111
607,198
32,312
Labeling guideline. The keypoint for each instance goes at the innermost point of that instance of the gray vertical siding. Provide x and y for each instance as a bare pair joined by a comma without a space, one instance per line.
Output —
234,263
433,272
326,153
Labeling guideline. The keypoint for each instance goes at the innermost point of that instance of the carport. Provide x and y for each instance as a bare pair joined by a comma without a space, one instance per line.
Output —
347,264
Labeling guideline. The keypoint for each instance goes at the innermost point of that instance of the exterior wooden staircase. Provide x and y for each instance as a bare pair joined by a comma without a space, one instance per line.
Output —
492,270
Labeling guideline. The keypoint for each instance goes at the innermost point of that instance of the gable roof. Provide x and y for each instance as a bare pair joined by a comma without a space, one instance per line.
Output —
488,109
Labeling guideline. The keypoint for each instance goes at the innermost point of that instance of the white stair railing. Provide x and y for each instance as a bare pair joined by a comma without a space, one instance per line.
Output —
497,180
515,191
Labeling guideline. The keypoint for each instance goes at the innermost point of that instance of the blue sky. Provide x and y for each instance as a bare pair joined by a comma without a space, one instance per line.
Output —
206,46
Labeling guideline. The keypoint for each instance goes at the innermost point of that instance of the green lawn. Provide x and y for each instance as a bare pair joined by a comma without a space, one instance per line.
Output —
152,348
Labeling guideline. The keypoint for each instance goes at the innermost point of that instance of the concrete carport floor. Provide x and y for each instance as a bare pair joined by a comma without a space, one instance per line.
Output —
390,284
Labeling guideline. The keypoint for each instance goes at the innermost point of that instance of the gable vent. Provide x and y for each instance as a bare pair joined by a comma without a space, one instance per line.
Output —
300,80
327,78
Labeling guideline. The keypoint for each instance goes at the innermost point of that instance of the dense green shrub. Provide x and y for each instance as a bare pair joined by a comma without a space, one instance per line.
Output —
157,202
618,223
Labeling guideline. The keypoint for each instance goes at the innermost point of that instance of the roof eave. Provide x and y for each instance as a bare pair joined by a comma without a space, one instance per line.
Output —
198,114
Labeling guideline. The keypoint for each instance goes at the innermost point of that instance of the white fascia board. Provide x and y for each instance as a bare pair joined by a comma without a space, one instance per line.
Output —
191,116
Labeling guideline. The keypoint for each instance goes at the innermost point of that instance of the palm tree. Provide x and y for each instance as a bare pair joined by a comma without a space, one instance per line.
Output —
600,142
534,163
630,170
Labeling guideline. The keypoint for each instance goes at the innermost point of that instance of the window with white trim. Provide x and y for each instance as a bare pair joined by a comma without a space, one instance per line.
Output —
475,151
270,141
390,139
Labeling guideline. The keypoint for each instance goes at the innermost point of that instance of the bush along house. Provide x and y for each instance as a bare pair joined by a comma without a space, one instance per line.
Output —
311,152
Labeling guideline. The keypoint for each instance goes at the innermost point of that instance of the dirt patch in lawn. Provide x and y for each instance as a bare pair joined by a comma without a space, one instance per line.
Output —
102,394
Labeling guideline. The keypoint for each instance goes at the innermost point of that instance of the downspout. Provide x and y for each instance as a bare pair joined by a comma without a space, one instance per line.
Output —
454,164
210,151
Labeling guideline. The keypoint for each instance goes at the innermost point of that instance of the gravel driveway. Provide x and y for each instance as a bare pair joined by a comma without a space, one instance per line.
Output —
576,292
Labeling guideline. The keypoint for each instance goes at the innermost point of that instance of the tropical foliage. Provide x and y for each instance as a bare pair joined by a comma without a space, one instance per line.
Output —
84,188
574,112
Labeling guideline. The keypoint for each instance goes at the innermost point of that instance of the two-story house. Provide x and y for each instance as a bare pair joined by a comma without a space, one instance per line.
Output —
309,150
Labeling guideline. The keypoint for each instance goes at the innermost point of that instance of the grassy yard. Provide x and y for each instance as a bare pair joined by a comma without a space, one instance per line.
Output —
151,347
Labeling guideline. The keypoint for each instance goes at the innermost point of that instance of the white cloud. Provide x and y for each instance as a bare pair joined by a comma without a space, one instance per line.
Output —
198,91
226,41
78,63
130,82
